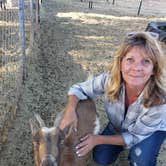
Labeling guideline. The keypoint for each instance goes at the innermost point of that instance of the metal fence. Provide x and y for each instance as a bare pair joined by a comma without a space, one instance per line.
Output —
15,28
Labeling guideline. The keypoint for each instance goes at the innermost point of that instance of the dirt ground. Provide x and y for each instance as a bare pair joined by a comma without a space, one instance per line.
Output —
72,43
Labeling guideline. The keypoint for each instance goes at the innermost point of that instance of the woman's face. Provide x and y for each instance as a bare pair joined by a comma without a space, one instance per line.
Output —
136,68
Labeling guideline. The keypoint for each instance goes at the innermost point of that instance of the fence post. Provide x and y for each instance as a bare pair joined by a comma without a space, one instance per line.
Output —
113,2
22,36
37,11
139,9
90,4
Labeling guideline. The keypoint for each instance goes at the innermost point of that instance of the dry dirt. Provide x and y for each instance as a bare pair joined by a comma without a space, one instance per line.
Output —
72,42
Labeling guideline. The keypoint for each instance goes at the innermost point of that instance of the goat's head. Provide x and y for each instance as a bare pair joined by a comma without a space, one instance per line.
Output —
45,142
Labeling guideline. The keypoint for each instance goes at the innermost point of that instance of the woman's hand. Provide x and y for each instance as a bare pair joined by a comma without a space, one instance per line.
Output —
87,144
70,116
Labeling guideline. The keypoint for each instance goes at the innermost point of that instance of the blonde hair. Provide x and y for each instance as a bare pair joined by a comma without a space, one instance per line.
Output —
154,91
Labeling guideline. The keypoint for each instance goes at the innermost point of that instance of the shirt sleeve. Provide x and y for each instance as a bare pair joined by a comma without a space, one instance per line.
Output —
91,88
145,126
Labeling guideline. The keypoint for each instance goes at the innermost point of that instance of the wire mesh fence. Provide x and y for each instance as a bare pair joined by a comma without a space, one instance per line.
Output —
15,29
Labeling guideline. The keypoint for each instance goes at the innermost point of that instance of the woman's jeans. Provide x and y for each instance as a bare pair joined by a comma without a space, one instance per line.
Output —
142,154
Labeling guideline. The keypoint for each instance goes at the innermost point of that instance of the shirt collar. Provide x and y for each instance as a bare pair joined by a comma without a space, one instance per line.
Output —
122,95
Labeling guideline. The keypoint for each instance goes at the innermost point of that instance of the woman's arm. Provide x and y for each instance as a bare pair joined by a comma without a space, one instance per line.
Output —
152,120
91,88
112,139
90,141
70,114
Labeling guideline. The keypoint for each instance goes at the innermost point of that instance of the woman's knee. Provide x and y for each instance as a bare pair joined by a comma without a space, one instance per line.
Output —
101,156
137,157
145,153
106,154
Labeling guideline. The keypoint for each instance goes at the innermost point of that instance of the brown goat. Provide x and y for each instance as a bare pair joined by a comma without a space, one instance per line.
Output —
54,147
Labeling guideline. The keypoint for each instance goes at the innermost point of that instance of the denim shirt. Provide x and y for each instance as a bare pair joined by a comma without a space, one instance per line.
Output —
138,123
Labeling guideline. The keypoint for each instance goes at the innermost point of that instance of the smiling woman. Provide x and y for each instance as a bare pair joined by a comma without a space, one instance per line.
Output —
135,102
150,54
136,69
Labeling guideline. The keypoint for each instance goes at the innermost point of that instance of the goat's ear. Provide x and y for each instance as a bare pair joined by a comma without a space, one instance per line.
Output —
67,131
36,123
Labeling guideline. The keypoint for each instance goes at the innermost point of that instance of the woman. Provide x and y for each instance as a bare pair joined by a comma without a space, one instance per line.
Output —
135,101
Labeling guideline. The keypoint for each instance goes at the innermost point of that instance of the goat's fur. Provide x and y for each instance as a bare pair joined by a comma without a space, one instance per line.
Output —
53,147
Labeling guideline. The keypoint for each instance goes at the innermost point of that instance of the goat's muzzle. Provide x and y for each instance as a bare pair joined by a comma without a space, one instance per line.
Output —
49,160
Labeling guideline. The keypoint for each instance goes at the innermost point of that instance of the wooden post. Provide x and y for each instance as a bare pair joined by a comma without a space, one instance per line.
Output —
113,2
90,4
37,11
139,9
